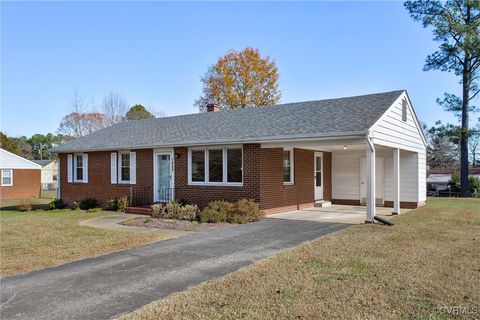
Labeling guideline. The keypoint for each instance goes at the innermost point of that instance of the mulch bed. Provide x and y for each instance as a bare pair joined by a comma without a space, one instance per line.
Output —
179,225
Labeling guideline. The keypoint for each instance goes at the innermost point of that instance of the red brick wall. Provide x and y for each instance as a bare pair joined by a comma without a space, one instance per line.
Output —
26,184
262,180
277,197
202,195
99,184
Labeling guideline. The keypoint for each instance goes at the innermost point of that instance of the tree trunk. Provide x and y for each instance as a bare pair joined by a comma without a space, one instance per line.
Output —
464,132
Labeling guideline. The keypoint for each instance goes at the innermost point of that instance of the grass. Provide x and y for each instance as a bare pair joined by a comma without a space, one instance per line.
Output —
39,239
429,261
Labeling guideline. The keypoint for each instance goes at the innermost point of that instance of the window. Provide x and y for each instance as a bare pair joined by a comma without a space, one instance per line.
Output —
124,167
218,166
78,167
404,110
7,177
288,166
234,165
215,165
54,178
198,166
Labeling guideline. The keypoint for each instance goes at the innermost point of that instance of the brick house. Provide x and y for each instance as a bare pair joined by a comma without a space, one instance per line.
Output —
19,177
364,150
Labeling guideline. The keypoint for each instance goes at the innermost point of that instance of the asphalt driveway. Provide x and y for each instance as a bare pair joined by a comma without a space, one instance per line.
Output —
117,283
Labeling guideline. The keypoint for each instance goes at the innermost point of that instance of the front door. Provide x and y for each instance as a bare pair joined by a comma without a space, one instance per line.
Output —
318,176
164,177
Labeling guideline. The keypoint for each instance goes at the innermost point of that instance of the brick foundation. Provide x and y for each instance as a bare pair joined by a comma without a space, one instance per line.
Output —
346,202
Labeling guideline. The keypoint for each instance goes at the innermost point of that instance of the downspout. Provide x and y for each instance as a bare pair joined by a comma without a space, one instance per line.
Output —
370,143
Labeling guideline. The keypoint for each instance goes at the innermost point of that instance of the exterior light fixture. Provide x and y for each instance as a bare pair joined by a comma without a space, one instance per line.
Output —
344,147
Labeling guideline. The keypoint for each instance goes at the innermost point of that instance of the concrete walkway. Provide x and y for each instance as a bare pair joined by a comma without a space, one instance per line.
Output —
111,222
107,286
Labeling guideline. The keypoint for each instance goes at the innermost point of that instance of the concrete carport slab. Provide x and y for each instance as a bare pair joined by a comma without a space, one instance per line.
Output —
333,214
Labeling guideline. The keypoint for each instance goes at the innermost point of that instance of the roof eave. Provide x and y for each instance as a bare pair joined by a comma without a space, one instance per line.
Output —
287,138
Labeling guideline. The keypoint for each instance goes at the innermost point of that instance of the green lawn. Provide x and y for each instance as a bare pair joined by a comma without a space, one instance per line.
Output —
428,261
38,239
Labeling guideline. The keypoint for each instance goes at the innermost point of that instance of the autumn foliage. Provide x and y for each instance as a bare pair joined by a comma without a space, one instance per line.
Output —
241,79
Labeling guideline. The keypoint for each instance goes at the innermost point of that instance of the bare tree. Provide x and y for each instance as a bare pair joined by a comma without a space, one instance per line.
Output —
80,124
77,106
114,107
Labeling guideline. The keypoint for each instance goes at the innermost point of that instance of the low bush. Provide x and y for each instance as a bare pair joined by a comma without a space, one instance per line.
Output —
93,210
473,184
25,205
57,204
122,203
76,205
88,203
243,211
216,212
175,210
112,205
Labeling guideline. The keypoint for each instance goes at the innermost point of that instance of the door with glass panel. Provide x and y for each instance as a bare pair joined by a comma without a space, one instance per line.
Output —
318,176
164,177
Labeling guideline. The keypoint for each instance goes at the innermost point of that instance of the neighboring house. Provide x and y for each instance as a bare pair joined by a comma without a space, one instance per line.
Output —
358,150
438,179
49,174
20,177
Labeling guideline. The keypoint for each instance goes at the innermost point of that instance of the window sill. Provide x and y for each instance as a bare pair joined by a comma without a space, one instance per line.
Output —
288,184
7,185
216,184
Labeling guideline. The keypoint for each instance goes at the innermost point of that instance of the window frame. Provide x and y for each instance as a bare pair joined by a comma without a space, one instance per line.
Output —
206,181
292,164
11,178
119,167
75,167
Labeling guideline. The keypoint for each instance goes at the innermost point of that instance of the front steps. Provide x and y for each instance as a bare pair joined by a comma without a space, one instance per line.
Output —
322,204
146,210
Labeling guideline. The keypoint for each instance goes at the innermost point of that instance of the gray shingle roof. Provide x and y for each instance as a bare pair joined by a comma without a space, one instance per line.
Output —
322,118
43,163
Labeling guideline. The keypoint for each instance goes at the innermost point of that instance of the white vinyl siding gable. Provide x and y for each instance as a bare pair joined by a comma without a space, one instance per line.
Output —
391,131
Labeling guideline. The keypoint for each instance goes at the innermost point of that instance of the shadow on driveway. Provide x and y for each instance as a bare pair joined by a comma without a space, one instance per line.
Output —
116,283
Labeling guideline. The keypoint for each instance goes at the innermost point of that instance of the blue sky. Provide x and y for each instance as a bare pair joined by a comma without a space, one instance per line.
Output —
154,53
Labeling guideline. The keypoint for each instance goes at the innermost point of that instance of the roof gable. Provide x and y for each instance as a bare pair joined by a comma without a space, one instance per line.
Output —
9,160
311,119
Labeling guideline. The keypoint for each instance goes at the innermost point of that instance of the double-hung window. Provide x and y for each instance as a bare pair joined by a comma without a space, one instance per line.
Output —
124,167
288,166
78,167
216,166
7,177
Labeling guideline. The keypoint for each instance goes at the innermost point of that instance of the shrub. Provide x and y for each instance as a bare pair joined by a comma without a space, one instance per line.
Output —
25,205
157,210
112,204
89,203
76,205
94,210
122,203
245,211
174,210
57,204
473,184
216,212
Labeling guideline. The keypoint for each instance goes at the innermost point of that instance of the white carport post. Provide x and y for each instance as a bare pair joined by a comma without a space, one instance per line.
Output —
371,201
396,181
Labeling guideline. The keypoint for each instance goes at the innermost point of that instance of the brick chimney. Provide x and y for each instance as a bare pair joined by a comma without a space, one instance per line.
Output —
213,107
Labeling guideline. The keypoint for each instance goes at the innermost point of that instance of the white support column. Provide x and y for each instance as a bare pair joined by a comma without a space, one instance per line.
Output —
396,181
370,163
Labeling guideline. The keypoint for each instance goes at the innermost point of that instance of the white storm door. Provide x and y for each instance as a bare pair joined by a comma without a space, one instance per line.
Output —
164,177
318,176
